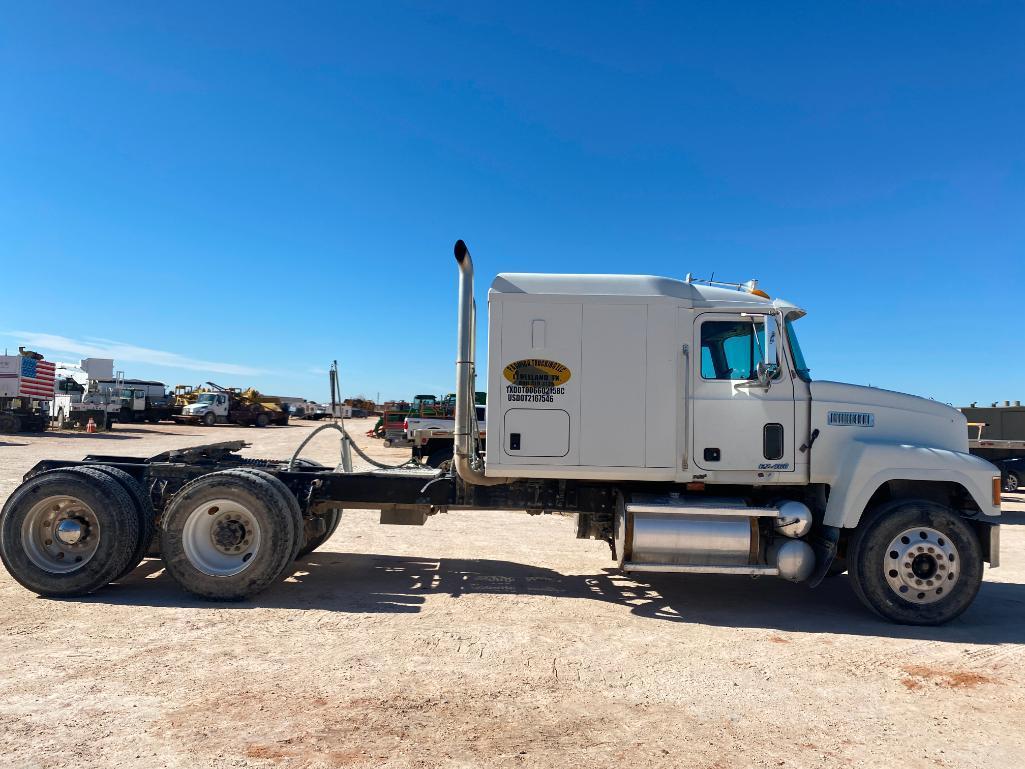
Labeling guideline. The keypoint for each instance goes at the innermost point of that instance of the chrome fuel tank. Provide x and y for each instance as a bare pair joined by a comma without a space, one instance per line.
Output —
717,535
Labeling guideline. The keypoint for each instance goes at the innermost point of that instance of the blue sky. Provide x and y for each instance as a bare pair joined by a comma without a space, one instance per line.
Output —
244,192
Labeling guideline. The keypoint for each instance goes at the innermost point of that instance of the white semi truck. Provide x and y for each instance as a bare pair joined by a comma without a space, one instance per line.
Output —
677,419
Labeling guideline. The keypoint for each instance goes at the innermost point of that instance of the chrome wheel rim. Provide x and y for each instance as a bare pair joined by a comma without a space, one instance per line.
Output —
60,534
1011,484
921,565
221,537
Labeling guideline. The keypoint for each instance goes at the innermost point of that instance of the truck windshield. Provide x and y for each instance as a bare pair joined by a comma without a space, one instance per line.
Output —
206,398
795,348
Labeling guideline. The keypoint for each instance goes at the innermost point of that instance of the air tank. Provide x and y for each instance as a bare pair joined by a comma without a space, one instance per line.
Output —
794,559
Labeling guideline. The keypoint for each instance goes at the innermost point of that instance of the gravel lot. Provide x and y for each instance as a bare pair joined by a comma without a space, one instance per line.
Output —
497,640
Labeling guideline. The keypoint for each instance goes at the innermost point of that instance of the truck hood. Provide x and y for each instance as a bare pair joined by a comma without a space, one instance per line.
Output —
891,416
195,408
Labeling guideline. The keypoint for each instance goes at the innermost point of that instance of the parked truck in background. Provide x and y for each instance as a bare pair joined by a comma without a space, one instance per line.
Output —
997,433
431,438
234,406
144,401
26,391
731,460
316,411
98,399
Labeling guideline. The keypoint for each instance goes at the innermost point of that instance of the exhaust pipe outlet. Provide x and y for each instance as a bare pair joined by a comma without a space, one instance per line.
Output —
465,459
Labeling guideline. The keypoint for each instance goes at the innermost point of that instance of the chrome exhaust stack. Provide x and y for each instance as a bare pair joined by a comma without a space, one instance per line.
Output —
467,462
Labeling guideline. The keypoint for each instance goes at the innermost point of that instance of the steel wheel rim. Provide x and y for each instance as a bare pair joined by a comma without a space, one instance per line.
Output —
60,534
221,538
921,565
1012,482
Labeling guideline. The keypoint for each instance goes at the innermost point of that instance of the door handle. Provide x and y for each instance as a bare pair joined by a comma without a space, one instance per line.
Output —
750,384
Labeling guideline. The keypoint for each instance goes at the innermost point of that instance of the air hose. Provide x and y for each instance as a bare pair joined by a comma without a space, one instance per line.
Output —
352,445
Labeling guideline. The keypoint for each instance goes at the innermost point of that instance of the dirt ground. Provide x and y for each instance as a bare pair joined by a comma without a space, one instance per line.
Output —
493,640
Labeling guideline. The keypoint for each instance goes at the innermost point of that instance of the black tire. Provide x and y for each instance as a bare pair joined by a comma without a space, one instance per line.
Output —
209,419
287,498
869,556
439,455
262,420
331,520
118,532
255,570
143,509
1012,483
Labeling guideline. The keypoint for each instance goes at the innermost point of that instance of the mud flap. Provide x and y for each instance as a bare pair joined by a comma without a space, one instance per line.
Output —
823,541
989,538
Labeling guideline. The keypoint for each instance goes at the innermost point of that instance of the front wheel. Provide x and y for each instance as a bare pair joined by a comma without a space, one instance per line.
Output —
915,562
1012,483
262,420
209,419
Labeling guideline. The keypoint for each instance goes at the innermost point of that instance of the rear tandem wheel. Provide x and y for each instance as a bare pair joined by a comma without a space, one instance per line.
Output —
66,533
230,534
331,520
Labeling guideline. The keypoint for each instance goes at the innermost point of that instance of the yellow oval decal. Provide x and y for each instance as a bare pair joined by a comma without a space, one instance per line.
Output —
537,372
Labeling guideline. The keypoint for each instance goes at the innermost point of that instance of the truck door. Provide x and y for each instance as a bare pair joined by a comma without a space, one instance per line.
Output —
138,400
738,424
221,405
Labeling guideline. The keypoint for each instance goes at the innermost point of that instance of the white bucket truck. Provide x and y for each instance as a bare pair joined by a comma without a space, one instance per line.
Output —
99,399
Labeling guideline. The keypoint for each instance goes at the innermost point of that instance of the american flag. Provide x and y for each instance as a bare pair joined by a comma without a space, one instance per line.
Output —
37,378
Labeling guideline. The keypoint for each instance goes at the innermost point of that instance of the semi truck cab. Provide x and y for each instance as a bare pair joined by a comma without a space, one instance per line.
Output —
642,378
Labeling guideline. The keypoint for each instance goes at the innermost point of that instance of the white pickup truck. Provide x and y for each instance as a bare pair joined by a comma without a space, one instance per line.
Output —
432,438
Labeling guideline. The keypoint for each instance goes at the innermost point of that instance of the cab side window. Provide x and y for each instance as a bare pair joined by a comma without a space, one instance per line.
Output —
728,350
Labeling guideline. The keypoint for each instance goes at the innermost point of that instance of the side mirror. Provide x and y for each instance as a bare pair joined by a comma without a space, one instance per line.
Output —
766,372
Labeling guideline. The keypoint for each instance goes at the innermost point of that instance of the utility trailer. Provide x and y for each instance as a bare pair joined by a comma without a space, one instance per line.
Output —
733,462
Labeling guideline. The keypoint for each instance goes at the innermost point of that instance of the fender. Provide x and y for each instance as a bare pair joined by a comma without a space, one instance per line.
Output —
865,465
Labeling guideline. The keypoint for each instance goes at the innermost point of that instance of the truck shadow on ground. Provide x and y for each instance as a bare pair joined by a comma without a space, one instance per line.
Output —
134,431
100,436
349,582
